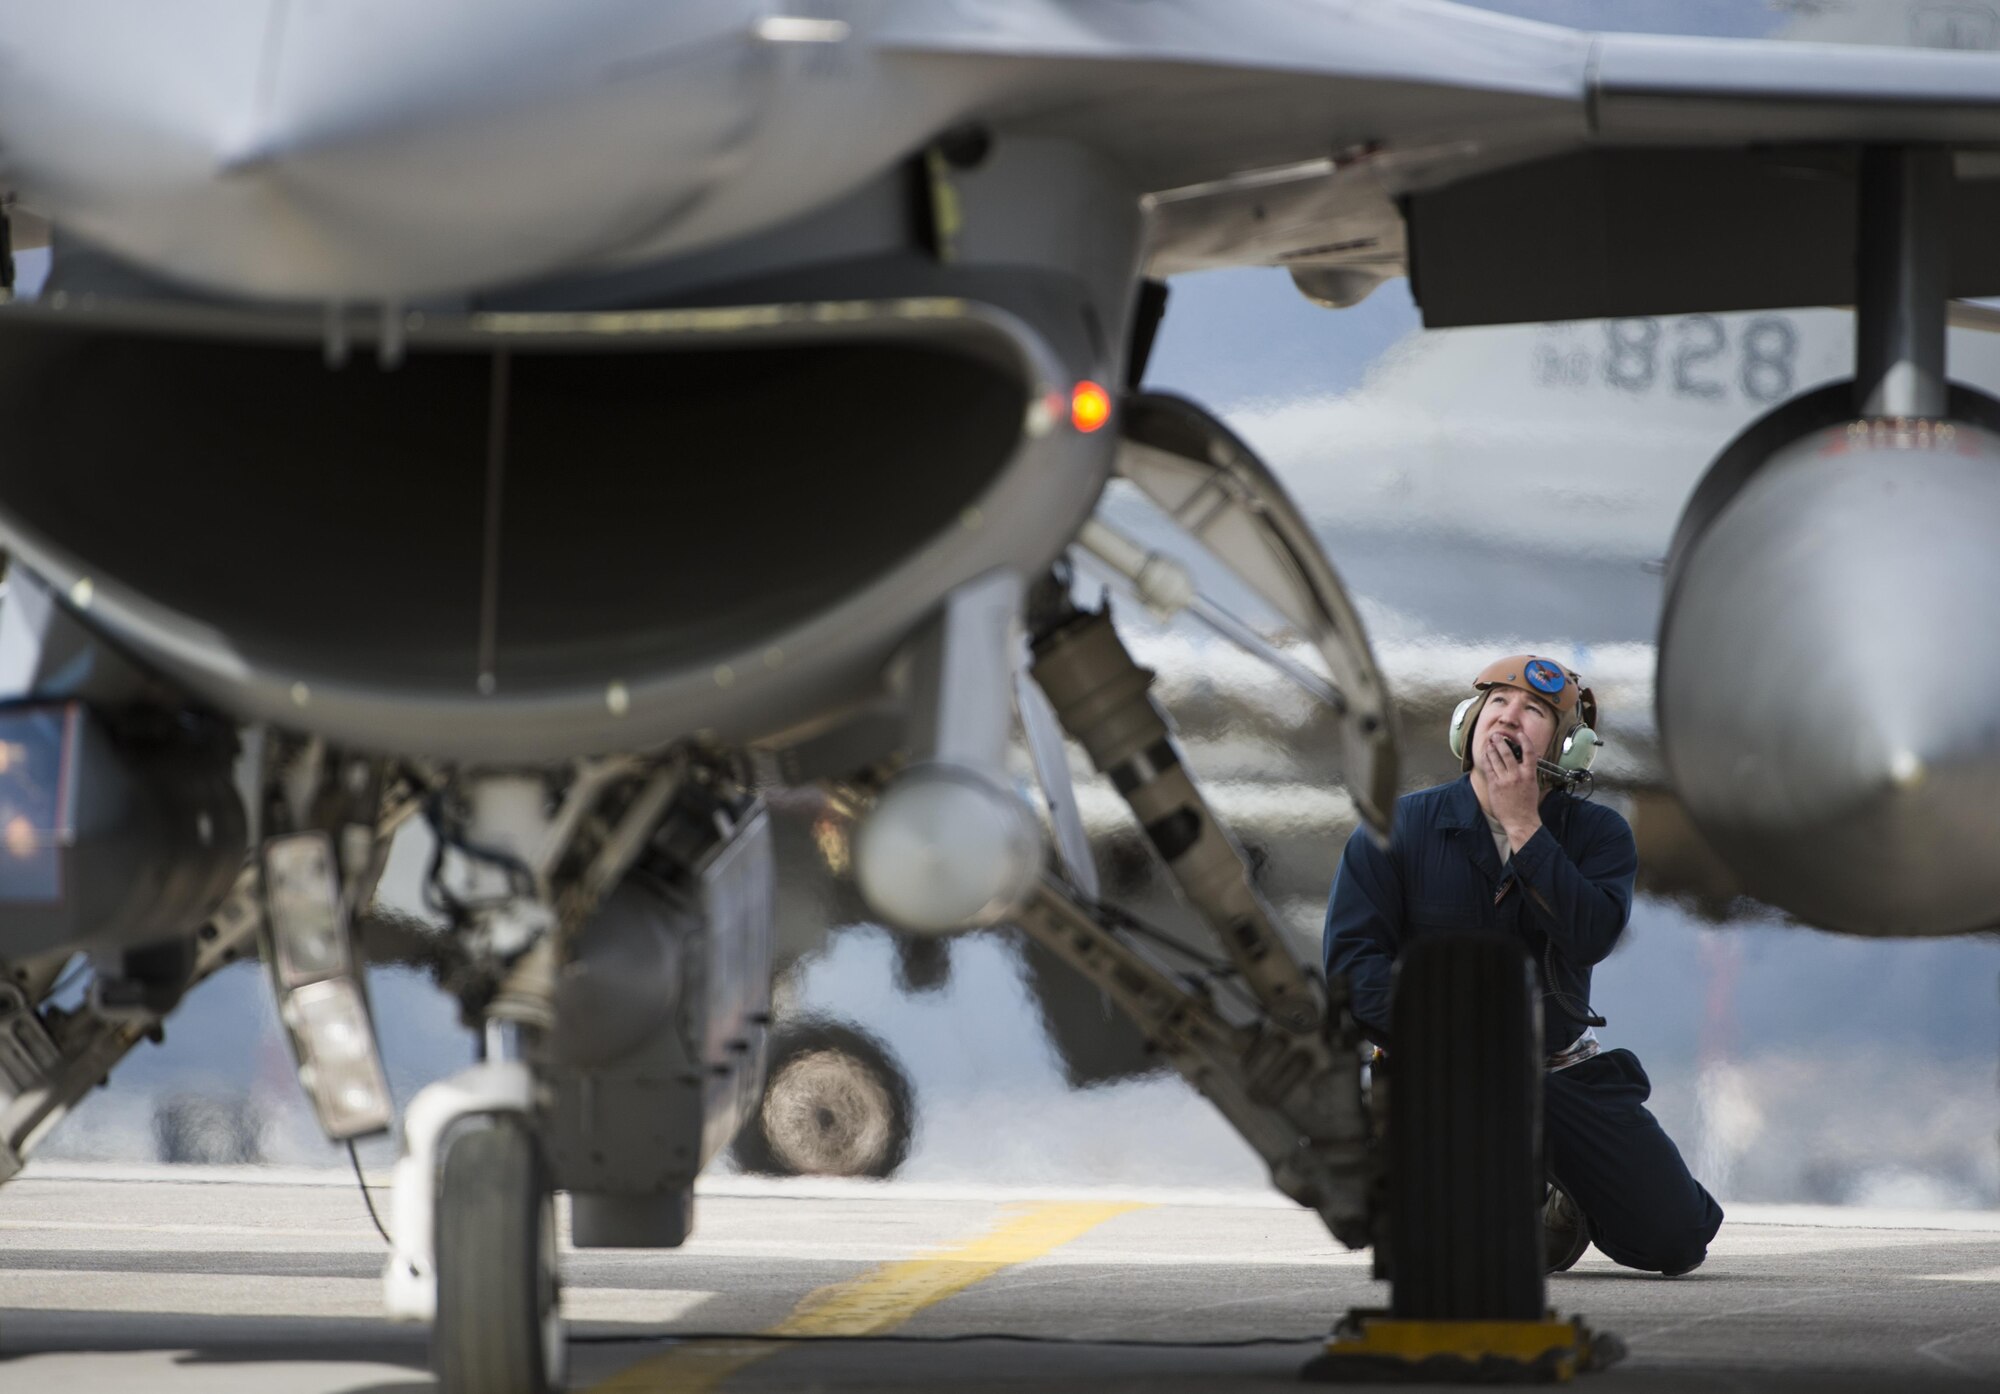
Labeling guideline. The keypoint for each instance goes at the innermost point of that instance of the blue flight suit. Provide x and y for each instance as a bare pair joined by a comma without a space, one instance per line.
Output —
1566,894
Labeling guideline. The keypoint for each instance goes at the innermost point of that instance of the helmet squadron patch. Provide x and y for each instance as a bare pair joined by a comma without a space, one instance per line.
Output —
1544,676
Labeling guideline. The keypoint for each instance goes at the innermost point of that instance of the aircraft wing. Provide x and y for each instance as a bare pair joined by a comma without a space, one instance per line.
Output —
1517,171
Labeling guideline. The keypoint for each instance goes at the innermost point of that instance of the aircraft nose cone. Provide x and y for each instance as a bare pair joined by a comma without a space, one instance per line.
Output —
1829,685
93,98
374,149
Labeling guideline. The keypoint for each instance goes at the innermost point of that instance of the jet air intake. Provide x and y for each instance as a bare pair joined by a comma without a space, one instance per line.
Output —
526,536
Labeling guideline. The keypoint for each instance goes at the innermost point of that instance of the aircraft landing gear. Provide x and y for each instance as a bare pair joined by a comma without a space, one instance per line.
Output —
475,1230
1283,1062
50,1060
499,1326
835,1104
612,945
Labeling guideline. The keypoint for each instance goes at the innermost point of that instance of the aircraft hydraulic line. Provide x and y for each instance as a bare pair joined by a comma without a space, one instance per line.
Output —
1104,700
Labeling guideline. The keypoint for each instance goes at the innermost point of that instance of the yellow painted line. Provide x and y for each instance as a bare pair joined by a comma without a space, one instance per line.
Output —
877,1301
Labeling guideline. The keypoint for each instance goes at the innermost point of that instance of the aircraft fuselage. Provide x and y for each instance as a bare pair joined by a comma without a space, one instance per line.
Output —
412,152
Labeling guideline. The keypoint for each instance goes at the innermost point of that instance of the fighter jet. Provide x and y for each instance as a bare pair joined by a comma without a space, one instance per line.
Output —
561,424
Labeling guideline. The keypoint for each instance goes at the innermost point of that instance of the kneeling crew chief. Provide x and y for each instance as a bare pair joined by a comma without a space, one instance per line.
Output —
1502,848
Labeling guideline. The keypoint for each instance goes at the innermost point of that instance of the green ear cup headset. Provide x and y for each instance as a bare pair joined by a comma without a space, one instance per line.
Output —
1577,750
1462,719
1576,714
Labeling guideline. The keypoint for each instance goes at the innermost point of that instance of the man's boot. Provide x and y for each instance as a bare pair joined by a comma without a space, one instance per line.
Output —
1563,1229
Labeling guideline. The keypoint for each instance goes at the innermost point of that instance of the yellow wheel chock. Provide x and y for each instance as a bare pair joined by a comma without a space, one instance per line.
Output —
1371,1347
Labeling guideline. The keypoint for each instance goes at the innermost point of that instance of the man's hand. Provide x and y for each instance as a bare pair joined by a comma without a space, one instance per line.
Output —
1513,789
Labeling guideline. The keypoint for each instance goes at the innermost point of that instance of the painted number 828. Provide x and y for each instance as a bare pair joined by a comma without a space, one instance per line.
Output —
1694,357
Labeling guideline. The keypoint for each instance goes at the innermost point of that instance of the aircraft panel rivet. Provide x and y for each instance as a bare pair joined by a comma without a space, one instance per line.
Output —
617,699
82,593
301,694
724,675
774,657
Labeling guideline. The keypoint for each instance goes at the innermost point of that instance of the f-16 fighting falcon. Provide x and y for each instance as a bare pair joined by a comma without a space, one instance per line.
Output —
562,423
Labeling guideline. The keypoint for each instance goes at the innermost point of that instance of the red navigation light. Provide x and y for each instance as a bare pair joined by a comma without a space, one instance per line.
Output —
1089,406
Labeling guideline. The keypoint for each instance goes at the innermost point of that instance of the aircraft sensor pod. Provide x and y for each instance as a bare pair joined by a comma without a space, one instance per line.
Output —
947,848
1826,685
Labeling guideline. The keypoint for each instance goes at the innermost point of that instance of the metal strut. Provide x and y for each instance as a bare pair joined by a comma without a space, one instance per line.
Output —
48,1072
1104,700
1902,281
1295,1096
1290,1081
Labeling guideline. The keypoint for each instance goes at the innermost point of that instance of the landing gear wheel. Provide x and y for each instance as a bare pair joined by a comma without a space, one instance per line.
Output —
1465,1133
499,1326
207,1131
835,1104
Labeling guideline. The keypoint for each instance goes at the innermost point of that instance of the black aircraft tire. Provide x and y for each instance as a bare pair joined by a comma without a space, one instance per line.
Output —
498,1327
835,1103
1465,1132
207,1131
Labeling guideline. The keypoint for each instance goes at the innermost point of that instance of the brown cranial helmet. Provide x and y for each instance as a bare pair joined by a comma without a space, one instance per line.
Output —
1561,688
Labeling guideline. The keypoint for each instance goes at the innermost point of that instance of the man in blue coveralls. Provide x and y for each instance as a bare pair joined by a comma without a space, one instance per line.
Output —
1508,848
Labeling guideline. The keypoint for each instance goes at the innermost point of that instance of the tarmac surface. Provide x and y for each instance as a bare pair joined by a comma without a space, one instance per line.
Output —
186,1279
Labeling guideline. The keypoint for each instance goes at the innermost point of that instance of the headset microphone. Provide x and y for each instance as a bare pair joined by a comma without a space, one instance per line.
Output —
1569,779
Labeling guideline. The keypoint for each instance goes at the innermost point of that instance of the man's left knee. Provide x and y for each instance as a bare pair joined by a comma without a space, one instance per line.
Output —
1668,1245
1667,1260
1684,1264
1686,1251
